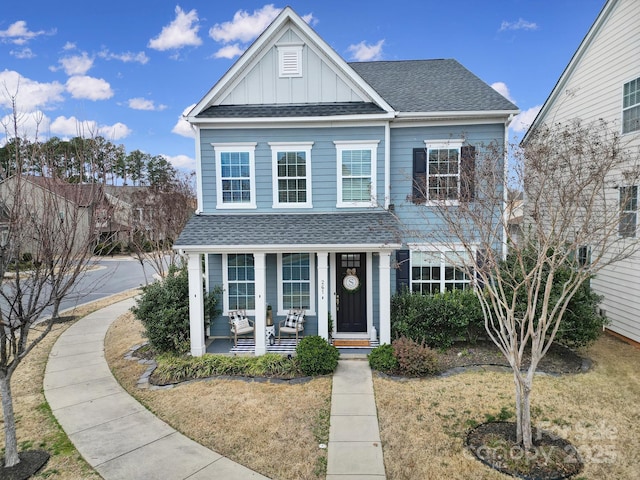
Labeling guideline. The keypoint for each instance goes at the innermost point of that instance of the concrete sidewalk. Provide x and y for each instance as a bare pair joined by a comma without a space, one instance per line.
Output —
355,450
116,435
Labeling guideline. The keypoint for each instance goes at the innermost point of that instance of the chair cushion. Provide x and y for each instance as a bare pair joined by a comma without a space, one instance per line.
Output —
241,323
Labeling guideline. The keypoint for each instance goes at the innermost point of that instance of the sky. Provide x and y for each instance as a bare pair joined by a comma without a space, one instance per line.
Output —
128,70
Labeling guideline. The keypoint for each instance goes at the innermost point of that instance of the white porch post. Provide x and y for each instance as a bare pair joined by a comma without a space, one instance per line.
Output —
384,271
196,305
323,294
260,266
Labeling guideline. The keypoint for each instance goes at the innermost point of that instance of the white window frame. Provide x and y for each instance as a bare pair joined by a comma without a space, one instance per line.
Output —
290,61
346,145
243,147
633,212
312,285
225,282
443,264
633,106
443,145
280,147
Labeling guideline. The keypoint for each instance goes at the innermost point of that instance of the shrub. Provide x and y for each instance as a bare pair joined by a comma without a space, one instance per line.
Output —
315,356
439,320
382,359
414,359
163,309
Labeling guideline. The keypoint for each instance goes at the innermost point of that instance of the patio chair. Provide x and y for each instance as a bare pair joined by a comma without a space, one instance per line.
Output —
239,324
292,325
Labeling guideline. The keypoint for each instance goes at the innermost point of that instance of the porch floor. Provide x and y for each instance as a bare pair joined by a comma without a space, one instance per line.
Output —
246,346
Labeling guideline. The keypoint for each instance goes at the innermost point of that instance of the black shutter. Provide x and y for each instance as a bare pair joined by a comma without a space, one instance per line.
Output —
419,193
468,173
402,274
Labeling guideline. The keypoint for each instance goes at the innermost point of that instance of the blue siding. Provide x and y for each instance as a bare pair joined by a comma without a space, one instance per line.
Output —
323,162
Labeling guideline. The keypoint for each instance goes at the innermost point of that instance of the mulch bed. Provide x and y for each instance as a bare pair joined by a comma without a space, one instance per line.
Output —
558,360
552,457
31,461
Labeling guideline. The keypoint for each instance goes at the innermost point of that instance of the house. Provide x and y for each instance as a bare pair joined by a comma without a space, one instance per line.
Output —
309,169
602,81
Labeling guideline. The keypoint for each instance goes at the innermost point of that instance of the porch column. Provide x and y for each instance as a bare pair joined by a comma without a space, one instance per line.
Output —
323,294
196,305
260,267
384,272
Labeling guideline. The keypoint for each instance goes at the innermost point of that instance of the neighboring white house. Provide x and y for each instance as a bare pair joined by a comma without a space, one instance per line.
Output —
602,81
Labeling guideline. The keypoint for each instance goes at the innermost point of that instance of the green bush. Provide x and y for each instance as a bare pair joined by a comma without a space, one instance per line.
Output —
382,359
439,320
315,356
163,309
414,359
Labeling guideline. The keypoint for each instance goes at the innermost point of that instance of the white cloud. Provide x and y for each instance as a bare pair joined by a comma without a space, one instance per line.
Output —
182,127
73,127
69,46
363,52
140,103
524,119
182,162
126,57
521,24
23,53
19,34
229,51
77,64
181,32
503,90
30,125
244,27
91,88
28,93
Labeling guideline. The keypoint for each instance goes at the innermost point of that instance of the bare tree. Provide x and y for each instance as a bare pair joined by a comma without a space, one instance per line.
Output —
573,179
47,233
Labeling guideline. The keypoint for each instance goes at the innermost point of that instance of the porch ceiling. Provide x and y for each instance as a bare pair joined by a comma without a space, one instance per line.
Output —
297,232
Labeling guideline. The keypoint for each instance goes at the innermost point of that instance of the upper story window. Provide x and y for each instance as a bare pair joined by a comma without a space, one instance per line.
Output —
436,272
290,60
443,171
235,175
356,173
296,282
631,106
628,211
291,174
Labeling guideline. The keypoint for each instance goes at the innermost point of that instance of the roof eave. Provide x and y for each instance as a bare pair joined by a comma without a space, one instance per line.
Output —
291,248
327,118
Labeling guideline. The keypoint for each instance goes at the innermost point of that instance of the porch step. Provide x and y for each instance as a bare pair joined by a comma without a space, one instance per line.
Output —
343,342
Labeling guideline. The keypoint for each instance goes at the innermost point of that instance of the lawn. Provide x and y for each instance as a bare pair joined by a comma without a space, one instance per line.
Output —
423,423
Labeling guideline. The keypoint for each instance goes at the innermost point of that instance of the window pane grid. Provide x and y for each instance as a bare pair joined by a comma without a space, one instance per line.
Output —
292,177
631,106
296,280
430,273
356,175
241,281
443,173
628,211
236,177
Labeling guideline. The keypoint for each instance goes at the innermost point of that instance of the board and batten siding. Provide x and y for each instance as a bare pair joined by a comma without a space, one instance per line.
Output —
323,164
403,140
318,83
592,90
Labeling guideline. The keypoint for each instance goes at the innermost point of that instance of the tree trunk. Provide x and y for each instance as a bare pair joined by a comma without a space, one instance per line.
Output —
523,411
11,457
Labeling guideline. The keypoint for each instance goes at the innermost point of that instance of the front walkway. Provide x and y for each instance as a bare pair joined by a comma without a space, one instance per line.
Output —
116,435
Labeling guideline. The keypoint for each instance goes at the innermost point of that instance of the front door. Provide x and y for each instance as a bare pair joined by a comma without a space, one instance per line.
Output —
351,298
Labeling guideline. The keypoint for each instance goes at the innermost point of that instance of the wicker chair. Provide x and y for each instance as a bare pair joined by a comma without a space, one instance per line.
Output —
292,325
239,324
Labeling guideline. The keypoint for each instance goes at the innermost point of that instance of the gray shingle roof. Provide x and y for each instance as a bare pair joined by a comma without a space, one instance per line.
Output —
304,110
430,86
367,228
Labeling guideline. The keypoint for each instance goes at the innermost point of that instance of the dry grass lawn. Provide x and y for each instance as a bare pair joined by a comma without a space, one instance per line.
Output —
271,428
423,423
36,427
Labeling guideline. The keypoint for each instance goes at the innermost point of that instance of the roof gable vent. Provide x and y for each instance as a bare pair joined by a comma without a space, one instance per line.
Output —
290,60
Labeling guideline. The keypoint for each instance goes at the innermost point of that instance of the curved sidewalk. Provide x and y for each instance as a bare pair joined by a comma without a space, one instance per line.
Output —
116,435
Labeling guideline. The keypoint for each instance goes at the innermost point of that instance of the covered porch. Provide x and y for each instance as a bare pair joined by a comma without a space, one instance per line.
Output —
349,262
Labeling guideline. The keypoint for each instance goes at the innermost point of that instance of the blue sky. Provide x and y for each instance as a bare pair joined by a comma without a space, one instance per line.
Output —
128,70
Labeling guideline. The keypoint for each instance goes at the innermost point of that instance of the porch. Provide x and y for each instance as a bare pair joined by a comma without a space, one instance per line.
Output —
247,346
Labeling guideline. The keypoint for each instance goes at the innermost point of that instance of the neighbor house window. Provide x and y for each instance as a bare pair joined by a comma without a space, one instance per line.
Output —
291,174
628,211
295,282
235,175
356,173
240,282
435,272
443,171
631,106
